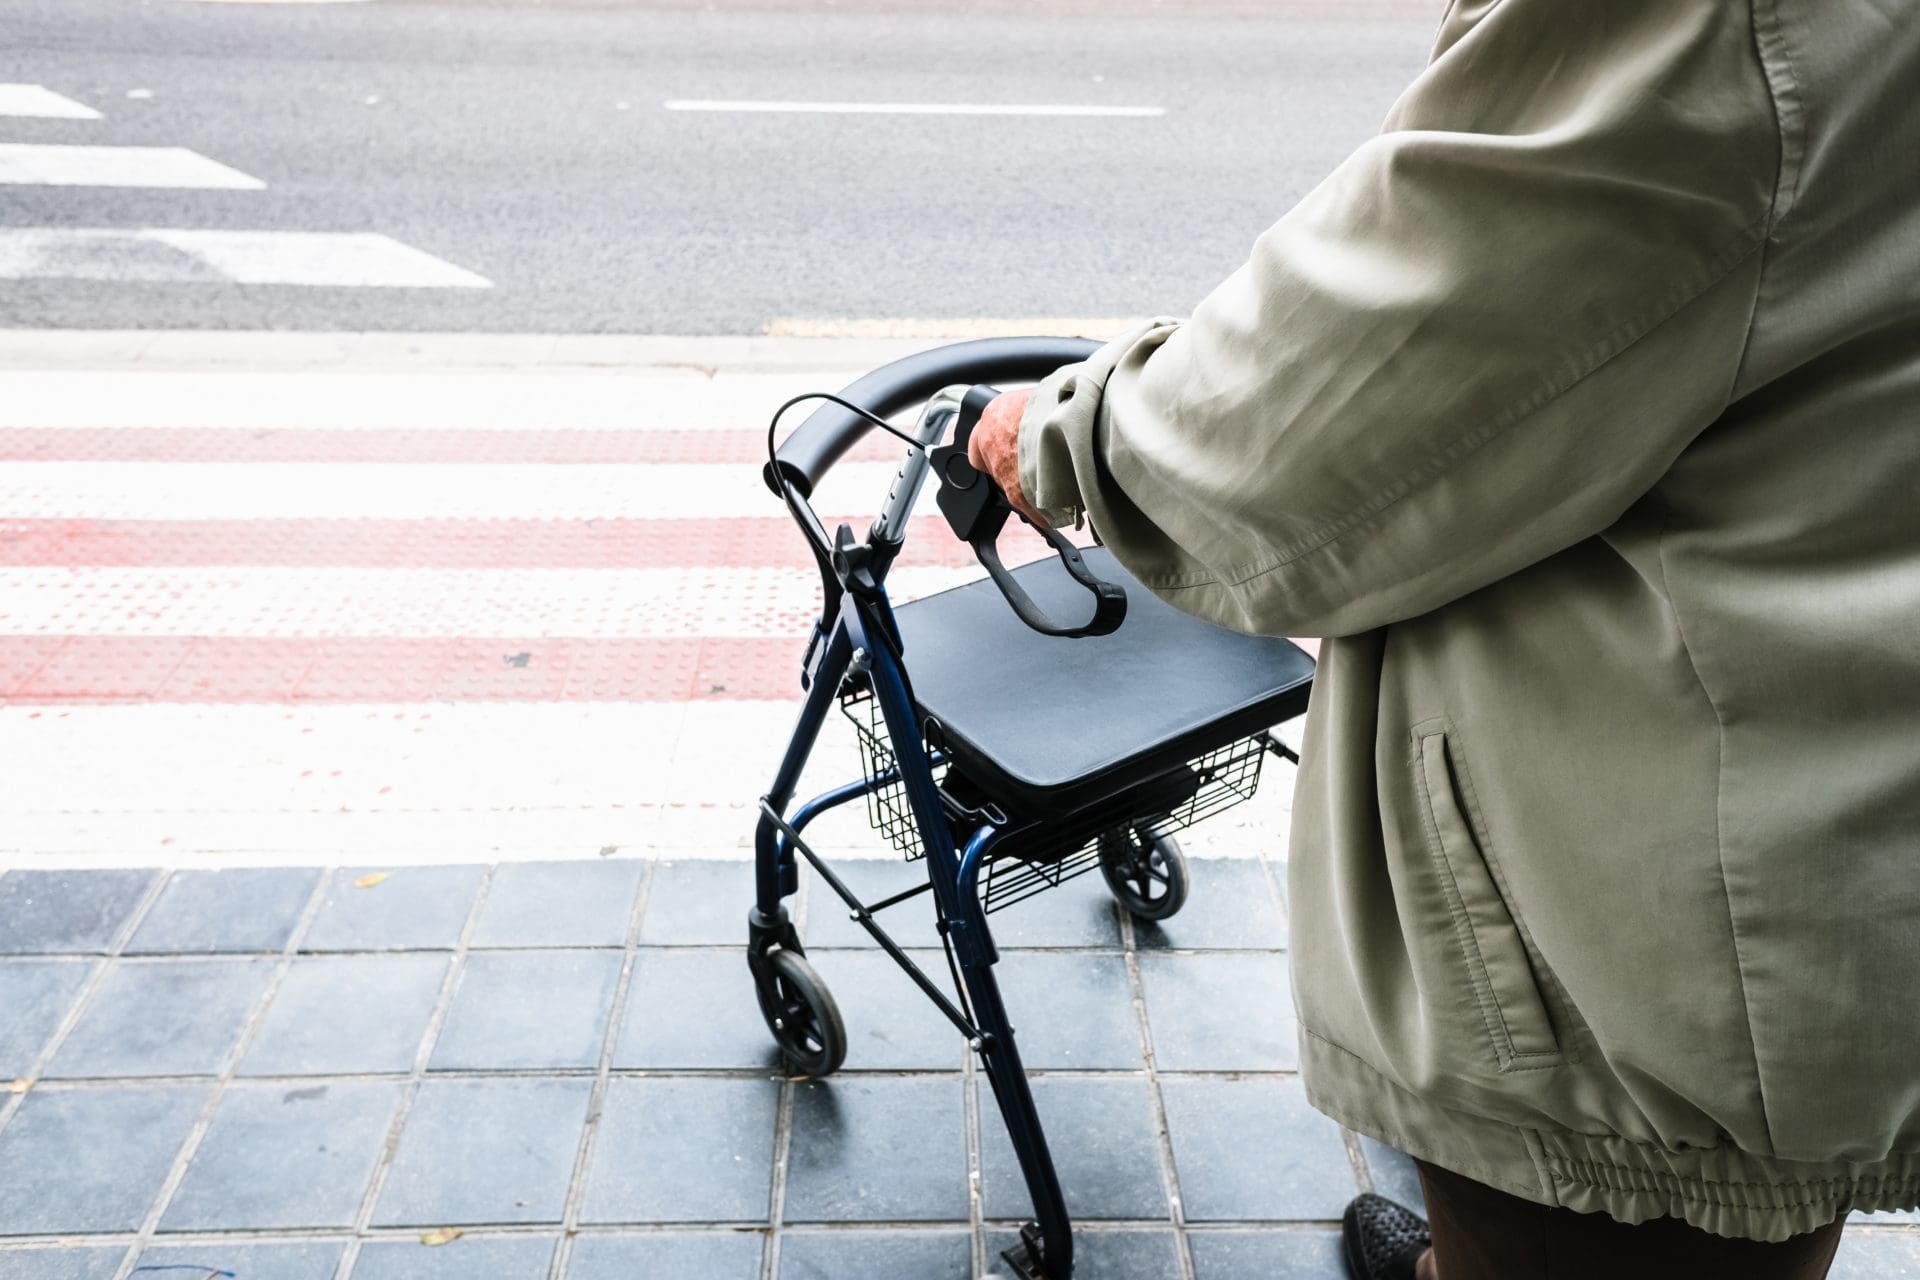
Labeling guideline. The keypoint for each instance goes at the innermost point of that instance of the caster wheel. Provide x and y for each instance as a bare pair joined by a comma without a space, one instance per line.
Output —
1146,872
801,1014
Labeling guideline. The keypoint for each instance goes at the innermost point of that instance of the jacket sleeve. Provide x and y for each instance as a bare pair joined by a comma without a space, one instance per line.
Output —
1475,344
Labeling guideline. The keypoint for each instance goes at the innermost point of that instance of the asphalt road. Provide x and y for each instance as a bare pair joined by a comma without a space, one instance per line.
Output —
530,144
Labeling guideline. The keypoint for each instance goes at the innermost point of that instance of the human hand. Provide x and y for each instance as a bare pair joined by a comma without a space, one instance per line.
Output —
994,448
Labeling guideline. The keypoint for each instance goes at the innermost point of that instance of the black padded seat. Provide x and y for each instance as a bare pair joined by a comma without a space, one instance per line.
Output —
1047,726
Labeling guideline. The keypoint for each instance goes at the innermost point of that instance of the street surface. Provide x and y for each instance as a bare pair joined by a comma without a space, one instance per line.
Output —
516,168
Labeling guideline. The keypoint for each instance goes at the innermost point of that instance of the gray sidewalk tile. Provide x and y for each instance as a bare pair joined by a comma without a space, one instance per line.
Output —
891,1025
683,1150
34,997
304,1260
235,909
163,1018
1877,1256
1105,1143
1393,1174
414,907
61,1262
827,923
693,1009
560,904
528,1009
1102,1255
468,1258
478,1151
340,1014
46,912
1080,913
708,1255
1230,906
1253,1150
1220,1012
1267,1255
698,904
876,1255
281,1155
878,1149
76,1160
1071,1011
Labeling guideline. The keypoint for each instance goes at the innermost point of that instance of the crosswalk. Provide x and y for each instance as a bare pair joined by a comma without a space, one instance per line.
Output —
190,256
437,614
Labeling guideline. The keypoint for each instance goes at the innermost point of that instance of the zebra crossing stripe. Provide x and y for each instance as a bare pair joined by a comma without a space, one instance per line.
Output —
48,165
316,258
42,103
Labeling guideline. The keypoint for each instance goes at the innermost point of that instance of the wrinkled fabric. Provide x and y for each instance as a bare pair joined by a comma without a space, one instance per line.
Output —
1580,410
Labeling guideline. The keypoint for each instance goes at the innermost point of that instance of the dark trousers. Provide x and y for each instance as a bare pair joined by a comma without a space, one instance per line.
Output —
1483,1234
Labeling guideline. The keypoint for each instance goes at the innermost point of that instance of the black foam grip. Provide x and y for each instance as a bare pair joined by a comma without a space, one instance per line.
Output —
829,431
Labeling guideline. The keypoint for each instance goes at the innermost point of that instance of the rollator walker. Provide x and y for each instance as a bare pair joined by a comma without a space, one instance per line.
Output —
1006,750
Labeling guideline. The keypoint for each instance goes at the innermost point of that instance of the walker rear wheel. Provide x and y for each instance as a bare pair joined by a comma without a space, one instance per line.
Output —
801,1013
1146,872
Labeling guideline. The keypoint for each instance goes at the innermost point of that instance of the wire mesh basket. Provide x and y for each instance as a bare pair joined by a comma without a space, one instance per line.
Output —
1173,801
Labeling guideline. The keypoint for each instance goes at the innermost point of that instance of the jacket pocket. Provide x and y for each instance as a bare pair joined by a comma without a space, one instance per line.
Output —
1494,953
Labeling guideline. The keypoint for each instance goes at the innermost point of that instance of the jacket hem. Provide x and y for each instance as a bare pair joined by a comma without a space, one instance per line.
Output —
1723,1189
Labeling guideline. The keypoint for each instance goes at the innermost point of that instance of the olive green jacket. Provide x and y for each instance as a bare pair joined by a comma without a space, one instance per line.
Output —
1582,408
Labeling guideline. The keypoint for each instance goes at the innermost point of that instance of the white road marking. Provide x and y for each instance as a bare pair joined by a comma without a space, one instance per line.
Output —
415,491
428,603
581,399
42,102
311,258
910,108
38,164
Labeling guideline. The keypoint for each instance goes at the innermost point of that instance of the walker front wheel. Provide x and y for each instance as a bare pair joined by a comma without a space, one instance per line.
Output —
1146,872
801,1013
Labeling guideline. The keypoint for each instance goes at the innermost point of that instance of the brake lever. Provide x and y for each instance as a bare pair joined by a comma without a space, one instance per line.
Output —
977,509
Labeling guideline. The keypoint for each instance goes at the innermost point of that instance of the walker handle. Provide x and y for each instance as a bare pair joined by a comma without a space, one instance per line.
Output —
977,509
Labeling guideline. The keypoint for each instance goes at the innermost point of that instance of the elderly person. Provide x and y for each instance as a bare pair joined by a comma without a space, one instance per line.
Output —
1580,411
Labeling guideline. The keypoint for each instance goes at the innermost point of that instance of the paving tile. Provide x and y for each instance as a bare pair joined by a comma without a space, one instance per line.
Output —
164,1018
236,909
413,908
307,1260
1079,913
485,1151
878,1149
347,1014
1071,1010
891,1025
1877,1255
689,1008
683,1150
1253,1150
75,1160
698,904
1105,1143
1231,905
468,1258
710,1255
1267,1255
827,924
529,1009
1102,1255
560,904
875,1255
280,1155
34,997
1393,1173
67,911
1220,1012
61,1262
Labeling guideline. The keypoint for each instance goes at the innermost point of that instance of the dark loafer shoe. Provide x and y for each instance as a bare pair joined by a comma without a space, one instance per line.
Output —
1383,1240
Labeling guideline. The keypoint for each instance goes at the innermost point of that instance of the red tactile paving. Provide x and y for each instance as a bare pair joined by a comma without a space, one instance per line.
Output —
225,669
745,542
423,445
